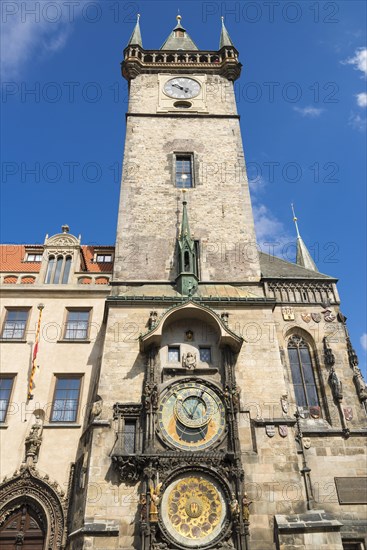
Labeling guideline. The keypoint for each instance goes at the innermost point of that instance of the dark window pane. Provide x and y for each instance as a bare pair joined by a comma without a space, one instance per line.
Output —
66,398
5,389
302,374
65,276
129,436
183,171
51,263
205,355
59,263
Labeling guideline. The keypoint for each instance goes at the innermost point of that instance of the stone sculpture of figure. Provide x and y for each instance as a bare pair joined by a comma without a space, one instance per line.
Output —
246,503
143,507
360,383
155,499
151,395
189,360
336,385
234,506
33,443
152,320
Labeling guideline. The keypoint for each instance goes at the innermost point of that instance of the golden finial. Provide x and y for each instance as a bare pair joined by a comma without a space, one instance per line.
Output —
178,17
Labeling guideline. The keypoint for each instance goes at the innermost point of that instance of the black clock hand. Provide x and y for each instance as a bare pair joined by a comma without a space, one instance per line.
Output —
196,406
177,86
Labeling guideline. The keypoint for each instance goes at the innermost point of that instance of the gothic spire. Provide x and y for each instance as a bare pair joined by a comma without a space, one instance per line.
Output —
179,39
135,39
225,39
187,260
303,258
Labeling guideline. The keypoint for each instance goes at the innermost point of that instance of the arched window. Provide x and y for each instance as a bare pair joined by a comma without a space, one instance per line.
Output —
60,261
302,372
58,270
65,276
50,268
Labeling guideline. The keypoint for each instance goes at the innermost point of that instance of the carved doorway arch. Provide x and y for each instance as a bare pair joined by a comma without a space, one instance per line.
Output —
24,529
45,503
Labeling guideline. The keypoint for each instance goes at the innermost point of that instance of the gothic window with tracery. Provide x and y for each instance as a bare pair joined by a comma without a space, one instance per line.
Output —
302,372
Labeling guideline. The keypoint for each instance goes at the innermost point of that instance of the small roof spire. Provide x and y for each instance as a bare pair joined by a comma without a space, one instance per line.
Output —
135,39
303,257
225,39
179,38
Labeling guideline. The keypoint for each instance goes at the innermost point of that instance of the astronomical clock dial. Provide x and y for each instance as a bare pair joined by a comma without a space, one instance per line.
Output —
182,88
194,510
191,416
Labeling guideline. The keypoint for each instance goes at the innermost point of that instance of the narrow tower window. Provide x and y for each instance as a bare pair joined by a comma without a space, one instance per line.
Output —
184,171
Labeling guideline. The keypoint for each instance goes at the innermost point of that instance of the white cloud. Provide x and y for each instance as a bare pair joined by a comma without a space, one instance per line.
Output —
271,234
363,341
357,122
311,112
29,31
359,60
362,99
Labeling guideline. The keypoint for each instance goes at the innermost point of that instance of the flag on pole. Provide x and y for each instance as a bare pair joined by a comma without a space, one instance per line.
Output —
34,356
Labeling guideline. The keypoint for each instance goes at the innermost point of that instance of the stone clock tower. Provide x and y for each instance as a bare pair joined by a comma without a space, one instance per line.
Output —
202,335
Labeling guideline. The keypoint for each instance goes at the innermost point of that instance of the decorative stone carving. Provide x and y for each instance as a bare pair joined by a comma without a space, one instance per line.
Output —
189,360
328,354
359,384
246,503
336,385
150,396
46,498
225,317
97,407
288,313
284,403
33,443
234,507
155,499
153,318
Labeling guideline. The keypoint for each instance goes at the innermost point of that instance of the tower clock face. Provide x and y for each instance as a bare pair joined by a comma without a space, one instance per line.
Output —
191,416
182,88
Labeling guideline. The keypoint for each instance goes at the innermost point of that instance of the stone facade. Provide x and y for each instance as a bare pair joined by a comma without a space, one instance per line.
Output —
190,429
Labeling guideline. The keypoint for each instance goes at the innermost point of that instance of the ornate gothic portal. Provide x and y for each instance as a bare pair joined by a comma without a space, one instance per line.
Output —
189,462
32,512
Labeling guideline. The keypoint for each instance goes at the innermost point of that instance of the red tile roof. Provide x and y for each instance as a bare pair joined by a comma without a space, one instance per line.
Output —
12,258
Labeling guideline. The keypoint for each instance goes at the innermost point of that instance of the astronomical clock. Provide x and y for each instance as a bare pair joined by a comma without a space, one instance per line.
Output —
186,458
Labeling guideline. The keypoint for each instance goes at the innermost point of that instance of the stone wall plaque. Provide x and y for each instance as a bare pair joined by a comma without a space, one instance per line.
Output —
351,490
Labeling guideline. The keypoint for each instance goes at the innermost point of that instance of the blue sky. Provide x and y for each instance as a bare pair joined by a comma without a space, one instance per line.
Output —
302,100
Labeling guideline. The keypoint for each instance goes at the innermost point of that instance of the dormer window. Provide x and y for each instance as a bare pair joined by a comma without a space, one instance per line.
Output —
33,257
103,258
58,270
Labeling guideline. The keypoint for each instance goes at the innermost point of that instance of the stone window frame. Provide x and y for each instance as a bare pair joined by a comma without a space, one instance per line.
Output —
67,261
210,351
194,168
66,376
7,376
123,413
316,369
73,309
8,309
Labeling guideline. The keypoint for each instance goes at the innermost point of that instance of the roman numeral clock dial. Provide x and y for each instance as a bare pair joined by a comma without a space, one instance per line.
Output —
191,416
182,88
